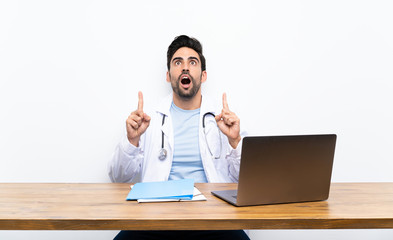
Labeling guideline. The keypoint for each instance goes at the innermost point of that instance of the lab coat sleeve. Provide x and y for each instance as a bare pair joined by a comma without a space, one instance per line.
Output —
233,159
126,162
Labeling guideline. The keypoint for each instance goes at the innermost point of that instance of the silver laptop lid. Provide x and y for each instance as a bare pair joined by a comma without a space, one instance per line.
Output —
281,169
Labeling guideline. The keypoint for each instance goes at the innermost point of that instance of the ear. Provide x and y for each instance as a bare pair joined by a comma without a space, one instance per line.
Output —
168,78
204,76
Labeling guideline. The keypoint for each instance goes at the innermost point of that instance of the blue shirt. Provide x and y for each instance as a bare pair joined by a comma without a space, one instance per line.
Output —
187,161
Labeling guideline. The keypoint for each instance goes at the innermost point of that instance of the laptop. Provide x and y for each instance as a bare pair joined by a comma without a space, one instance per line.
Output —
283,169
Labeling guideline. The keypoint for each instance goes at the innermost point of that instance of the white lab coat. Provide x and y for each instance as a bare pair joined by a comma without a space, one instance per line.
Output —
141,164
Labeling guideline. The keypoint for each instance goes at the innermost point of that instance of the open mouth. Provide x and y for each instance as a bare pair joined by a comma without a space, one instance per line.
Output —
185,81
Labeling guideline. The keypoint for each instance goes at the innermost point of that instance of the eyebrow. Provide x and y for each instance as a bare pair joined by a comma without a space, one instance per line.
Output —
190,58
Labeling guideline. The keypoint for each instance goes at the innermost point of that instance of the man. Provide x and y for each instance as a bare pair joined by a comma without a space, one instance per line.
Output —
181,139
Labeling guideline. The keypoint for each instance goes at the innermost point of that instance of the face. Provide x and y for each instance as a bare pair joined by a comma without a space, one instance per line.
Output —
185,73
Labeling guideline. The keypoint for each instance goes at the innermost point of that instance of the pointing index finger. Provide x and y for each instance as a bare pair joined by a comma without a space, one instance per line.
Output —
140,101
224,101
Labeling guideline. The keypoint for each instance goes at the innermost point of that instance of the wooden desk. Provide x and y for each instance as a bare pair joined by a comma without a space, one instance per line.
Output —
53,206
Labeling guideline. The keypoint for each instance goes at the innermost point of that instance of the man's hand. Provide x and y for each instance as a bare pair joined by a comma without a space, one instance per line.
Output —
137,123
229,123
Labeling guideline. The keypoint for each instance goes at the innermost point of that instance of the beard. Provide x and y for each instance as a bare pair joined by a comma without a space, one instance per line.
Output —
185,93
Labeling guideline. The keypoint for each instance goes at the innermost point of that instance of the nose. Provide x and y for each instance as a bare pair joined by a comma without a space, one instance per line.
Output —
185,67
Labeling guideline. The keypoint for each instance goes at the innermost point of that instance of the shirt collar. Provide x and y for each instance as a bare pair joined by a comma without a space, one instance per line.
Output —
165,105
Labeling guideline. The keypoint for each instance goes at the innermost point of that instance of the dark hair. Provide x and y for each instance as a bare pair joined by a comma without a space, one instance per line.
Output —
185,41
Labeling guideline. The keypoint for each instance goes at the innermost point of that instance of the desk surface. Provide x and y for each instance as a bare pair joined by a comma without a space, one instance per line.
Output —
58,206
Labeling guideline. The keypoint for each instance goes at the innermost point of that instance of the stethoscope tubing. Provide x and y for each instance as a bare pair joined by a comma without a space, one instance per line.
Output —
163,152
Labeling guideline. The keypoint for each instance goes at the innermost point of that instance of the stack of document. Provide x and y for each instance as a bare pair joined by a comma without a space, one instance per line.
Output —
166,191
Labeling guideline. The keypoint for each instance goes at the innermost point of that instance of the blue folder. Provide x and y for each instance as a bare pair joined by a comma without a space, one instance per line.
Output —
176,189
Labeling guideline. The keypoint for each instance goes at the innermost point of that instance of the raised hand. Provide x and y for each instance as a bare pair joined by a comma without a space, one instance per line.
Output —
229,123
137,122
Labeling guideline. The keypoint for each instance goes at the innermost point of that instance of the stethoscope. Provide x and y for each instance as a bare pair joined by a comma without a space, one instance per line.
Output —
163,152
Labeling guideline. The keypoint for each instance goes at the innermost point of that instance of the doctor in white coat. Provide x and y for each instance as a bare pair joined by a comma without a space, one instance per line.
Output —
141,162
184,137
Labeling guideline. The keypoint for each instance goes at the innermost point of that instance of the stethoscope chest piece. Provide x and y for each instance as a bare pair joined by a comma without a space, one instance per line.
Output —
162,154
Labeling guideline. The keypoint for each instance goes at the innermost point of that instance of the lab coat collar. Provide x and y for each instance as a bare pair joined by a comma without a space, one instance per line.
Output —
165,105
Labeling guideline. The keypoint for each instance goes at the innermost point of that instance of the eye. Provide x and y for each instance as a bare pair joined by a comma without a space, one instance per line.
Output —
177,63
193,62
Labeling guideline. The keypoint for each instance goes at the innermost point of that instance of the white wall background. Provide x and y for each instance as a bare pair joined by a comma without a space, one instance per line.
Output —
70,72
